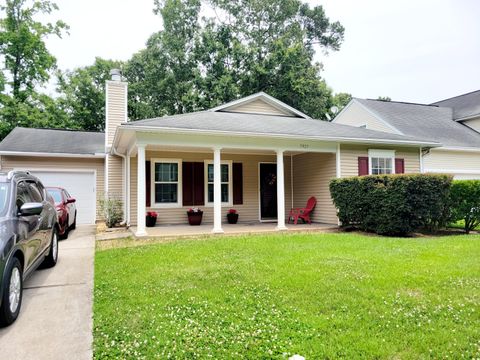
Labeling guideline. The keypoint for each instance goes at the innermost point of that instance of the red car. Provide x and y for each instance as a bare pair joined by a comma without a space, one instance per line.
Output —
66,210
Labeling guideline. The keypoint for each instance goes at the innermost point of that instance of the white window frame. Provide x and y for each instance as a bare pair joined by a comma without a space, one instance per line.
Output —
230,182
179,202
376,153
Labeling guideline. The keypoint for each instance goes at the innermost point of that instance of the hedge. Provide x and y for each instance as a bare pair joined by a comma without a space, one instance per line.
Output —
465,203
392,204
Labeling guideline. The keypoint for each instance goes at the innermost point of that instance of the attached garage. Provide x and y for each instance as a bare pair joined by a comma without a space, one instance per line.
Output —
80,185
80,171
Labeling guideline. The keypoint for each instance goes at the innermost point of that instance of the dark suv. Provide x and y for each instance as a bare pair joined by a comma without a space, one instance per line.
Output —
28,237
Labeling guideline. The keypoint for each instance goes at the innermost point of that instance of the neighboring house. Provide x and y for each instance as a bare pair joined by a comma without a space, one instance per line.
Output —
455,123
256,154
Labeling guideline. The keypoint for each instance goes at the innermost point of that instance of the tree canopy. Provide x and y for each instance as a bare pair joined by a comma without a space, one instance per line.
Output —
208,52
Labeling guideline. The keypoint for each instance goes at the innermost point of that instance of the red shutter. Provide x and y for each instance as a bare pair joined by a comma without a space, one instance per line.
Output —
147,183
198,184
362,166
399,166
187,183
237,183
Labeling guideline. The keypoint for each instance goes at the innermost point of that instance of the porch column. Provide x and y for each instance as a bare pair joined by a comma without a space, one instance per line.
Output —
141,191
280,192
217,192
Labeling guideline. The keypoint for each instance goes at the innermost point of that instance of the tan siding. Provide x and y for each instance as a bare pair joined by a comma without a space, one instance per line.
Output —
258,107
249,210
21,162
115,176
356,115
350,153
474,124
450,161
116,97
312,175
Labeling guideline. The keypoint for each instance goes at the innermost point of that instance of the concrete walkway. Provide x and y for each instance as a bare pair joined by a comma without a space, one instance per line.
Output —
55,321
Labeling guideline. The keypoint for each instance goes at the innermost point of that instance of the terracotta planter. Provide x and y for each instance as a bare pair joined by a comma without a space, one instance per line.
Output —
232,218
150,221
195,218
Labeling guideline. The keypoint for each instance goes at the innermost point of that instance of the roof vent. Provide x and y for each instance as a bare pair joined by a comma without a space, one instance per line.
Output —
116,75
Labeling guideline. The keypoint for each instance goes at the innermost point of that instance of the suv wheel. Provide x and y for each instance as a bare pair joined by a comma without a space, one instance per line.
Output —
13,292
74,224
51,259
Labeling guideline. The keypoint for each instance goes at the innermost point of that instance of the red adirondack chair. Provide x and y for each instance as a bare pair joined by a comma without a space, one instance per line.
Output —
303,213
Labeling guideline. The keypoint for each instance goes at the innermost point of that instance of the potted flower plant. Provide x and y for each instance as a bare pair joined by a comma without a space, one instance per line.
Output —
151,219
232,216
194,216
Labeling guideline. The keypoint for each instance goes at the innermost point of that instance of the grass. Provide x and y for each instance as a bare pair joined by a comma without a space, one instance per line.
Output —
317,295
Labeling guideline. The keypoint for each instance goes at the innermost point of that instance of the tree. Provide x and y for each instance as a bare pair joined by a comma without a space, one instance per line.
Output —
82,94
261,45
27,62
340,100
384,98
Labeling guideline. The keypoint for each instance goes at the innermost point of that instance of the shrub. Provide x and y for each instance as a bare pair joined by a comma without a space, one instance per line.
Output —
465,203
392,204
112,209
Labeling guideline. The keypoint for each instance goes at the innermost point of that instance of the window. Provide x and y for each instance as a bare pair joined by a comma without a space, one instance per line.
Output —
36,194
364,126
166,184
226,181
23,196
56,194
381,162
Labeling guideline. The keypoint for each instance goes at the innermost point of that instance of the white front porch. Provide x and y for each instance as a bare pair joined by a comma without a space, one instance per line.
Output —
246,228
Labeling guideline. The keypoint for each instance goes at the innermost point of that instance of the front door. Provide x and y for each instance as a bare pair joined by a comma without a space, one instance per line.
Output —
268,191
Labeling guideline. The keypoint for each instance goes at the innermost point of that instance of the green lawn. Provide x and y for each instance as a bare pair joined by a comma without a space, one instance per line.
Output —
317,295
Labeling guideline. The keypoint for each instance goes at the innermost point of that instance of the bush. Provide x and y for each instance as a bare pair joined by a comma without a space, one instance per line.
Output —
392,204
465,203
112,209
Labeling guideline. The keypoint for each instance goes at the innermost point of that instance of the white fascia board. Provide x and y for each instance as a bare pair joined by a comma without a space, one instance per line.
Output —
261,95
469,117
44,154
343,110
458,148
282,136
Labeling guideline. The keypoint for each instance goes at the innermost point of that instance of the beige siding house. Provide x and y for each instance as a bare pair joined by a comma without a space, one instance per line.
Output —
256,154
452,122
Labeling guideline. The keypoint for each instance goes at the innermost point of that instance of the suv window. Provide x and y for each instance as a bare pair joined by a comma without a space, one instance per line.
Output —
23,195
36,194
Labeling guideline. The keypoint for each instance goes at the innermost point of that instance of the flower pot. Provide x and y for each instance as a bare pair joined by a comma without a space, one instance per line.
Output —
195,218
150,221
232,218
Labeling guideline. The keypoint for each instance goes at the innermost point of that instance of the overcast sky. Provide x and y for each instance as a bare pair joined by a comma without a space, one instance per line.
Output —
409,50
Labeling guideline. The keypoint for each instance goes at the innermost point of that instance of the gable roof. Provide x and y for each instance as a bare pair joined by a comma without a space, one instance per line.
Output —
230,123
264,97
52,141
424,121
464,106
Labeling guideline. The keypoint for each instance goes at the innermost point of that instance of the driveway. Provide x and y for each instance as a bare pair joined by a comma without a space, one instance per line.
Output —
55,321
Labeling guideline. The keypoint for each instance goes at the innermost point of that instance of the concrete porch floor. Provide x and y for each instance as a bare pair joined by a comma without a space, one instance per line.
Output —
169,231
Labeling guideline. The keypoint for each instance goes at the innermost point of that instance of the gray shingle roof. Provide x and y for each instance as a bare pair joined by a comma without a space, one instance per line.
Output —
268,125
53,141
465,105
424,121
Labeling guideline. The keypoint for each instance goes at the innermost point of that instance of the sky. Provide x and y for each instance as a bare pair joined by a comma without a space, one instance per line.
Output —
409,50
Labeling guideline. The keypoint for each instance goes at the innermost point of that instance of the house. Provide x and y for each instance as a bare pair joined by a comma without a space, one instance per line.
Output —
455,123
256,154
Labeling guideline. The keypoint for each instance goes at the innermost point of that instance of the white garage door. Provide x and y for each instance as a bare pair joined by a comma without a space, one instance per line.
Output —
80,185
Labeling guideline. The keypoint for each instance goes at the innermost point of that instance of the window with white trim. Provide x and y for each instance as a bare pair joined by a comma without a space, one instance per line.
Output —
381,162
226,182
166,186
